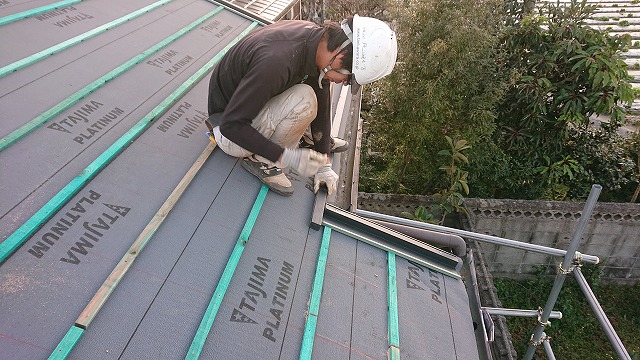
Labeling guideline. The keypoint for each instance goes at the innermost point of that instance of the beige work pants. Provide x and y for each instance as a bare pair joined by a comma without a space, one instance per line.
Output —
283,120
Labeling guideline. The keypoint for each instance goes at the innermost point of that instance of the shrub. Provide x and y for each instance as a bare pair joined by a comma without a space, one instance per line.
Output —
564,72
446,82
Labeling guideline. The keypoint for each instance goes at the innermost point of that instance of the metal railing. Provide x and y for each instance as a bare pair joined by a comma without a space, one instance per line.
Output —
572,260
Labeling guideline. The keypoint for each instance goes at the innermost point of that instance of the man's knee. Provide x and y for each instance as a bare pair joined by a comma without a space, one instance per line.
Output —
306,98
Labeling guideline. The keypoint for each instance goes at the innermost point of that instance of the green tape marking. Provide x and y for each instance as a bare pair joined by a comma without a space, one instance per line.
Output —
15,240
30,126
33,12
75,40
316,293
214,305
67,344
392,291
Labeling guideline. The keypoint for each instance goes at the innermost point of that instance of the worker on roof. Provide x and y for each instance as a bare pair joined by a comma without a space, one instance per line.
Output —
274,83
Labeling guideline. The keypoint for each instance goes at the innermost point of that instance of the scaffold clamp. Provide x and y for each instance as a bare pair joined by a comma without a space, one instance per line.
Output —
543,338
577,262
543,324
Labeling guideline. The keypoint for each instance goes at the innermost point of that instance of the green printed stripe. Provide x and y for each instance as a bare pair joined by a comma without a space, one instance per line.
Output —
29,127
392,291
13,242
67,344
214,305
75,40
33,12
316,293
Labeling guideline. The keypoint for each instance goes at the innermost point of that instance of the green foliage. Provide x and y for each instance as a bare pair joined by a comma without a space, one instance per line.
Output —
607,159
422,214
558,174
521,89
450,199
578,334
446,82
563,72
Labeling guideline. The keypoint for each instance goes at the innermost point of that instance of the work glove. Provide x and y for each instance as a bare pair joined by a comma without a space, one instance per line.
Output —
305,162
326,176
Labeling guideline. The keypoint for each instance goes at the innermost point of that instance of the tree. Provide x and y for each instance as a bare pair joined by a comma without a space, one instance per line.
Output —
446,82
563,73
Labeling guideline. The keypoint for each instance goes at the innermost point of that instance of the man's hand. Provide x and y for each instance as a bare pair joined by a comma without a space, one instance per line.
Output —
304,161
326,176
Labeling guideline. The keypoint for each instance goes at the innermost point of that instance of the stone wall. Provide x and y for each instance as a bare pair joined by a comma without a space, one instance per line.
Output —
613,232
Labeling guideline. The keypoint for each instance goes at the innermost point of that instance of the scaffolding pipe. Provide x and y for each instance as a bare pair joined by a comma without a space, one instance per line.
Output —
518,312
613,337
476,236
547,348
565,268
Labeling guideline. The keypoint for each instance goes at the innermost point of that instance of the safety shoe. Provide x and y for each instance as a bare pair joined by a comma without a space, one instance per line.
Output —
271,176
337,145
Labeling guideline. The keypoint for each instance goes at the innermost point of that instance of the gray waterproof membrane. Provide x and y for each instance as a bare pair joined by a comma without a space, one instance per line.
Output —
352,321
156,309
38,166
47,282
434,314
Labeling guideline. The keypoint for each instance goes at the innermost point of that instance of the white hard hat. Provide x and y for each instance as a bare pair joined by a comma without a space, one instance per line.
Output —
375,48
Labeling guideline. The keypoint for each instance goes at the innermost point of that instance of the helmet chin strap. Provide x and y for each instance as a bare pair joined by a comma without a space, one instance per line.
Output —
328,68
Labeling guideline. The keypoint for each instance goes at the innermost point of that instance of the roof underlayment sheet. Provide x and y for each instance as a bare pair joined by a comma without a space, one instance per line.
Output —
96,133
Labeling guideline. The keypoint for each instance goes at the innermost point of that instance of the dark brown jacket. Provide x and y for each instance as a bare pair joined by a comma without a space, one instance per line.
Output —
262,65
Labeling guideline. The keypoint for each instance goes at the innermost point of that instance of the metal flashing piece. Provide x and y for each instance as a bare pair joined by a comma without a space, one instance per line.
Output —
379,236
235,8
319,204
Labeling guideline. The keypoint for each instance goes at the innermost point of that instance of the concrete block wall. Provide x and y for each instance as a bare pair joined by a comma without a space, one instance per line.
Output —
613,232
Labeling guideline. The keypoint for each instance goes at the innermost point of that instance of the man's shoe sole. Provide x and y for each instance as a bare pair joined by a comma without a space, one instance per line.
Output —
276,189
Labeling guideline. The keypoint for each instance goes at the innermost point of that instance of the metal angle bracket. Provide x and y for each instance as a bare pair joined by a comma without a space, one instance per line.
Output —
384,238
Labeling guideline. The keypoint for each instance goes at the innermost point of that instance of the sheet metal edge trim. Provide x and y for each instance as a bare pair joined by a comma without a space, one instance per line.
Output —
391,248
366,230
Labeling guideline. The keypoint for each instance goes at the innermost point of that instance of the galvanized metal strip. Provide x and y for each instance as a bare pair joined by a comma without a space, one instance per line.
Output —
392,295
214,305
316,293
17,65
33,12
394,238
41,119
234,8
17,238
67,344
379,244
